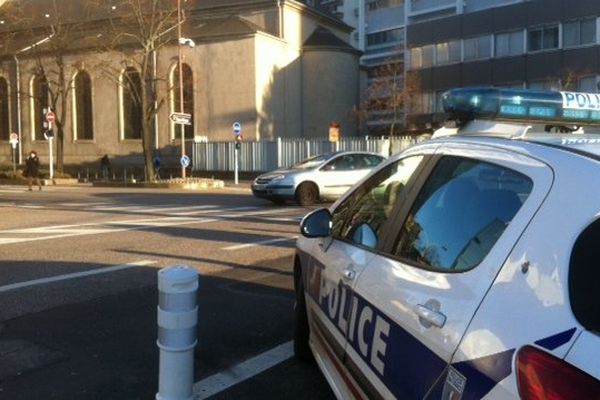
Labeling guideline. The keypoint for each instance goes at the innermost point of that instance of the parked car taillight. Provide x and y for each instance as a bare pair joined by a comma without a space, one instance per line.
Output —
541,376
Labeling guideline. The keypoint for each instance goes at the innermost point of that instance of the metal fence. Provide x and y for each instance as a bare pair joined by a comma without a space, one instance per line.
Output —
266,155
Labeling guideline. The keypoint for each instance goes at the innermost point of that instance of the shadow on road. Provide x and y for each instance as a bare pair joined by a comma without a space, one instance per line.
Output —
103,327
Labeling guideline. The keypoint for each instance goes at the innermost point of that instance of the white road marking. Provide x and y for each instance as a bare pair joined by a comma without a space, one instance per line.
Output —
259,243
283,219
87,205
120,226
251,214
41,281
224,380
212,213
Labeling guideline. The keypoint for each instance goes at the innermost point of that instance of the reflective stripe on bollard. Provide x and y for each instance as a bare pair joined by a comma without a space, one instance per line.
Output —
177,320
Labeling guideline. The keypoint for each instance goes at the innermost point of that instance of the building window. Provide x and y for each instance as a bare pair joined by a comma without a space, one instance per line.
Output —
188,99
477,48
427,55
130,86
438,106
587,84
384,37
509,44
82,107
421,57
416,57
423,104
579,33
373,5
4,111
543,38
39,105
448,52
546,84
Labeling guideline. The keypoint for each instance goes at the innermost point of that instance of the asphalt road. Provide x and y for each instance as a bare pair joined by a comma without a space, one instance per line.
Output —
78,275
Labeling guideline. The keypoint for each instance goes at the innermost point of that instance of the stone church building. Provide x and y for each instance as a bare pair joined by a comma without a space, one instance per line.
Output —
279,67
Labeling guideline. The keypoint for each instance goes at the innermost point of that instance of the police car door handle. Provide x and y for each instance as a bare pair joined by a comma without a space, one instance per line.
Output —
349,274
429,317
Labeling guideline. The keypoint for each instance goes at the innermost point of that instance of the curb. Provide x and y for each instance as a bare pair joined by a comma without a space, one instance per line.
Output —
195,185
44,182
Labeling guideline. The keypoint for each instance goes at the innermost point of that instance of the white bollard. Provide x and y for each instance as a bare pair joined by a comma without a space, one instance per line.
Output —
177,320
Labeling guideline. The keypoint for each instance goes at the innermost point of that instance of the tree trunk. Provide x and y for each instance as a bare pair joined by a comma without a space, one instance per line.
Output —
147,139
59,147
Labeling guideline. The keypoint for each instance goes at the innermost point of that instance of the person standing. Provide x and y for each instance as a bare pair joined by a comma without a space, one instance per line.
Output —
32,169
105,165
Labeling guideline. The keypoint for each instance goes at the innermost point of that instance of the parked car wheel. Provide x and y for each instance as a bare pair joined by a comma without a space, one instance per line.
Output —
307,194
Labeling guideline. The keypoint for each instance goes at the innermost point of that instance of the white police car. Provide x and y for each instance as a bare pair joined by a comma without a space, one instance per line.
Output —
466,267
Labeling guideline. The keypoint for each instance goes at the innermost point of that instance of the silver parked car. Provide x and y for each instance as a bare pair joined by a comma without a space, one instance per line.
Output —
326,176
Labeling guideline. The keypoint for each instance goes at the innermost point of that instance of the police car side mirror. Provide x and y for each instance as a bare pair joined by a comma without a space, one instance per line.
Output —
316,224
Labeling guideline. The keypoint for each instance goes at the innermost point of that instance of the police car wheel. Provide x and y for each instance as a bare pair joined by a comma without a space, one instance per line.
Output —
307,194
301,333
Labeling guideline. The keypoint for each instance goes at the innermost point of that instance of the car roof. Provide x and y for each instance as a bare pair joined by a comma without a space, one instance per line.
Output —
342,152
514,134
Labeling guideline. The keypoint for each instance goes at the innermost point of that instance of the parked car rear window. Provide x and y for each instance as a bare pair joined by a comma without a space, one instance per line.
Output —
462,210
584,278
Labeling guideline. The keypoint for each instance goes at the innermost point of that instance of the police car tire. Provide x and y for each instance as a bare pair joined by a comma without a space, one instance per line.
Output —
301,331
307,194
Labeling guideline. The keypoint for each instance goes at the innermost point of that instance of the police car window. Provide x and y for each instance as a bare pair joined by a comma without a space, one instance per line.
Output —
360,217
461,211
584,276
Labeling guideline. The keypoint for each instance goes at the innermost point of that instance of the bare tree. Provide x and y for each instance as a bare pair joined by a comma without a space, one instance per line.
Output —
390,94
45,44
139,30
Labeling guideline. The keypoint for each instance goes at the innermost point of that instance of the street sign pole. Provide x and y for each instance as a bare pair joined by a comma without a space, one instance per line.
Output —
237,131
235,161
14,156
50,154
14,140
50,118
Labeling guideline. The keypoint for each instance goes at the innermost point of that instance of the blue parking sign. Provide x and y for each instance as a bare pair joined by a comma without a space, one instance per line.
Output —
185,161
237,128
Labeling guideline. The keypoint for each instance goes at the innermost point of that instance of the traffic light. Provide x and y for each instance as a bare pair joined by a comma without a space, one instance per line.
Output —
238,142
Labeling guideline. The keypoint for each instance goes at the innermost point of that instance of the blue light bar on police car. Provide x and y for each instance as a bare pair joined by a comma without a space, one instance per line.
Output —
571,108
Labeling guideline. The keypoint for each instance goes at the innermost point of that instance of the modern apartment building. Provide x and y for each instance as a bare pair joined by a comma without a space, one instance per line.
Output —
544,44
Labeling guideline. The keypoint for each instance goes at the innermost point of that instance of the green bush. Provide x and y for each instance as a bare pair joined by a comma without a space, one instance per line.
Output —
9,174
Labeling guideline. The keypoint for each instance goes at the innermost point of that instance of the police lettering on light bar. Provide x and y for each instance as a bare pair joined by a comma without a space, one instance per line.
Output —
570,108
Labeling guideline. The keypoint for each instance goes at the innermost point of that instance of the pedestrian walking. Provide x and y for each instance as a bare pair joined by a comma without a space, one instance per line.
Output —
105,166
156,165
32,170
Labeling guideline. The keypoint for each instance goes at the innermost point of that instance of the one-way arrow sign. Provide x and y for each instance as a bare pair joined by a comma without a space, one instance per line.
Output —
181,118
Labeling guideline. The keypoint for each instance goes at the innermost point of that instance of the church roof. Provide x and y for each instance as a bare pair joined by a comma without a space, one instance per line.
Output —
226,26
322,38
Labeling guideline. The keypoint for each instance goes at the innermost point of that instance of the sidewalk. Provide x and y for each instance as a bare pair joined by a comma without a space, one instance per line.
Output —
242,186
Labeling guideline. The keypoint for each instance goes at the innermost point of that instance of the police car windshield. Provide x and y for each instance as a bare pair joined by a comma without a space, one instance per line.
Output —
312,162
